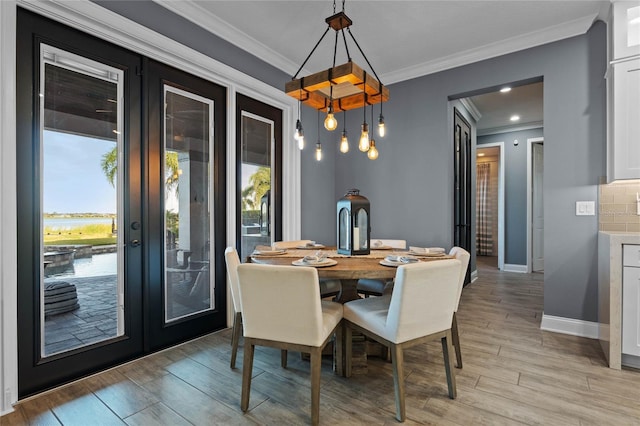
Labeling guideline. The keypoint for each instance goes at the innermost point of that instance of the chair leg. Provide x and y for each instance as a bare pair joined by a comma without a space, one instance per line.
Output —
348,347
397,361
338,351
235,337
456,341
316,364
283,358
446,352
247,369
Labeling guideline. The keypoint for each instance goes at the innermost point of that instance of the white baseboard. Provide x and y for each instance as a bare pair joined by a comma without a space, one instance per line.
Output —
631,361
570,326
474,275
522,269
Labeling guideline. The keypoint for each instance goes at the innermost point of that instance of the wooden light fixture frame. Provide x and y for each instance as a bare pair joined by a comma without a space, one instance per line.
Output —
345,86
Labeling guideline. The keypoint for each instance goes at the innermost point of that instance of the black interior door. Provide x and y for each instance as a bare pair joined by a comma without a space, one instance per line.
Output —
462,185
78,100
185,221
106,135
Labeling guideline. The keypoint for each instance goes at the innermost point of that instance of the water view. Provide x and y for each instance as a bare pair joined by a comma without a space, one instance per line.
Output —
74,222
94,266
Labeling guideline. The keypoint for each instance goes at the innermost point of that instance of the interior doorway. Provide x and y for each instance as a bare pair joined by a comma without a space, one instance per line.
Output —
535,205
490,203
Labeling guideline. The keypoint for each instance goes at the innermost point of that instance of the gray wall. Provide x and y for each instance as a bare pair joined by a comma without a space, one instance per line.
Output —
410,185
515,192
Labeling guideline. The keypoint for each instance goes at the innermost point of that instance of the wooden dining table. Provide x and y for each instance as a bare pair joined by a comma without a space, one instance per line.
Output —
349,269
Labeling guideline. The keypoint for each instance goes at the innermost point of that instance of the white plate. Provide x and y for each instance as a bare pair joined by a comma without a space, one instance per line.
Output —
326,262
381,248
311,246
268,252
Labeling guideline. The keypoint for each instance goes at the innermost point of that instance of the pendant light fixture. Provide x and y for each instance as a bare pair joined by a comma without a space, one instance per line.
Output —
381,127
298,135
364,134
344,142
339,88
372,153
318,144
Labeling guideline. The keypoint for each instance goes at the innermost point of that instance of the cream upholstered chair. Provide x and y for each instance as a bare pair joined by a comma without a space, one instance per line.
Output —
281,308
328,287
370,287
463,256
233,260
419,309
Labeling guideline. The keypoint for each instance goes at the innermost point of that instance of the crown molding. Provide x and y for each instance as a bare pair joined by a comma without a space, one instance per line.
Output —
521,42
202,17
472,108
509,129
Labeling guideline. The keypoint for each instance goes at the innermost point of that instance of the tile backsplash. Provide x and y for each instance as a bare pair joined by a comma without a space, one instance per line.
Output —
618,206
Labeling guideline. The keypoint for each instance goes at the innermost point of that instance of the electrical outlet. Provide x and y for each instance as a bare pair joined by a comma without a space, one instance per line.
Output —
585,208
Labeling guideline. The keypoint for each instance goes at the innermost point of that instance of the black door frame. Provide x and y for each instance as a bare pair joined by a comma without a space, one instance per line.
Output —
462,189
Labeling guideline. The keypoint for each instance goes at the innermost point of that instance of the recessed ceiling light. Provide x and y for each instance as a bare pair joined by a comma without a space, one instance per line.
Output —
505,89
515,118
481,154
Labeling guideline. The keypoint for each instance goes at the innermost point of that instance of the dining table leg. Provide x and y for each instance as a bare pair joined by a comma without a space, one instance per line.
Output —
348,291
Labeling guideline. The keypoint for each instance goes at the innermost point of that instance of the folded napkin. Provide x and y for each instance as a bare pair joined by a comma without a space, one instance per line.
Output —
426,250
403,259
316,258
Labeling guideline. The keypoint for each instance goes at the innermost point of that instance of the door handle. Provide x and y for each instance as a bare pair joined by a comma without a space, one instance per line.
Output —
134,243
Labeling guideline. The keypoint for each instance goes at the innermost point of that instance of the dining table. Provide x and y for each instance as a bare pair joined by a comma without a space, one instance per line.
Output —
348,268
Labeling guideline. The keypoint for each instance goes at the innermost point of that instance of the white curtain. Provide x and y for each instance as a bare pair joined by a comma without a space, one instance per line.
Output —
484,231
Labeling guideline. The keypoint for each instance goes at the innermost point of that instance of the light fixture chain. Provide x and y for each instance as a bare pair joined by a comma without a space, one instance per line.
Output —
313,50
364,56
346,48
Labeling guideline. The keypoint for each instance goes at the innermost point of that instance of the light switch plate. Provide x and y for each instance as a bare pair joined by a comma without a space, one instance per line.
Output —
585,208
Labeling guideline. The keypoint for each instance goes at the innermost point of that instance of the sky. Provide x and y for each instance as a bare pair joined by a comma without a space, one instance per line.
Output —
73,178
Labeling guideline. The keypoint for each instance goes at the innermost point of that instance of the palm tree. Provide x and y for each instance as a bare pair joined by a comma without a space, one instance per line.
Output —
109,165
260,183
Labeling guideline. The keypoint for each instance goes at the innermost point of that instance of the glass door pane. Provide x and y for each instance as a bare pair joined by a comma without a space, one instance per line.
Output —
188,212
257,135
81,253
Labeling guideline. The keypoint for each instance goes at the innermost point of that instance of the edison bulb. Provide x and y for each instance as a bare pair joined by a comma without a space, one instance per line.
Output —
344,143
364,138
373,152
301,142
318,151
381,127
330,123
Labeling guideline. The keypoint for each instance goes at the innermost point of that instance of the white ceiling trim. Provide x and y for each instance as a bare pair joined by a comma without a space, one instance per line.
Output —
202,17
212,23
525,41
509,129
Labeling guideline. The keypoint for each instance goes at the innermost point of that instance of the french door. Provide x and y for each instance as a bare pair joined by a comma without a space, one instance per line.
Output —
120,196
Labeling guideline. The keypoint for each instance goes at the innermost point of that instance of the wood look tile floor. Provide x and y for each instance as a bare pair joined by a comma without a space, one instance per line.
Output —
513,373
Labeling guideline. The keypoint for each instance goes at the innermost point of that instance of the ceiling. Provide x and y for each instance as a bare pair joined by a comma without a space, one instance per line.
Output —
401,39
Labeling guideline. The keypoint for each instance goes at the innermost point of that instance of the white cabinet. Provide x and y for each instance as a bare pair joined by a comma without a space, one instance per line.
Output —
626,29
624,151
623,146
631,303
